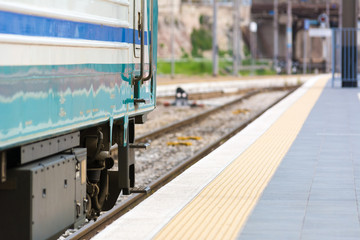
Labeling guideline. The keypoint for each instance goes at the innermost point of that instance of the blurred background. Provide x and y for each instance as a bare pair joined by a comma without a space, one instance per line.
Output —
253,37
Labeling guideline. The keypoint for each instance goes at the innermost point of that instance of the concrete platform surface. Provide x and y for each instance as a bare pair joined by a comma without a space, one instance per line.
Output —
315,192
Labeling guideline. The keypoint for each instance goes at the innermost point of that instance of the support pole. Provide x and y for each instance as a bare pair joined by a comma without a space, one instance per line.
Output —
214,40
305,52
327,41
240,36
253,45
172,40
340,14
289,38
349,43
236,39
276,33
333,56
328,13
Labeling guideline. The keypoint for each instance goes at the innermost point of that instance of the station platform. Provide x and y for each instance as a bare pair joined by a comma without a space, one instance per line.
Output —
294,173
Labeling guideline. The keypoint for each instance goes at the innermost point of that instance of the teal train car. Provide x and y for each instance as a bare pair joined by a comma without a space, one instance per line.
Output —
75,78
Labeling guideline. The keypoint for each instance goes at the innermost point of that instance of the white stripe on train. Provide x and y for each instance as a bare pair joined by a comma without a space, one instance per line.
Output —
63,51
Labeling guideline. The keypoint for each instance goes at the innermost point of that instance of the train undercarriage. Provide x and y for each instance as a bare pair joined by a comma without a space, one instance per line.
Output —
59,182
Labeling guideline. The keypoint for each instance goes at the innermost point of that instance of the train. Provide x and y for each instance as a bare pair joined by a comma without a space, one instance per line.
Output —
75,79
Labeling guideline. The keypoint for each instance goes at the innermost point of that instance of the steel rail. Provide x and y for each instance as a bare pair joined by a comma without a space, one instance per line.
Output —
104,220
181,123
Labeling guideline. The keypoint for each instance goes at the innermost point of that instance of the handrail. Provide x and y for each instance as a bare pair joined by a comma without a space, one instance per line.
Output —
140,77
151,43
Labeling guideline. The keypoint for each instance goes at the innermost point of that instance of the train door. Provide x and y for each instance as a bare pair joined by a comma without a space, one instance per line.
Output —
143,51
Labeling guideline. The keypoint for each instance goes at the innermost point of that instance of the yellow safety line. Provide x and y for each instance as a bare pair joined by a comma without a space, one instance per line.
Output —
222,207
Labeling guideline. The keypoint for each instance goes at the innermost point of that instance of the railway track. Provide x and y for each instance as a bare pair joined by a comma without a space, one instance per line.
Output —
107,218
184,122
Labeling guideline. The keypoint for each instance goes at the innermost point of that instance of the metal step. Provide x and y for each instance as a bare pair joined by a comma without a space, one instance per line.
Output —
140,145
145,190
141,100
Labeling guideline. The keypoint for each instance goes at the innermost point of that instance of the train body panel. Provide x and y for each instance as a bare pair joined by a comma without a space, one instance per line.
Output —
68,71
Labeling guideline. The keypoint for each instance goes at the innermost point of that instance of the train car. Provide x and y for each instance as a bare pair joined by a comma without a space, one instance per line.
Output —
75,78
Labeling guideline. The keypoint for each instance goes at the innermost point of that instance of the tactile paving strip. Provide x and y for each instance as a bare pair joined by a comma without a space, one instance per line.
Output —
221,209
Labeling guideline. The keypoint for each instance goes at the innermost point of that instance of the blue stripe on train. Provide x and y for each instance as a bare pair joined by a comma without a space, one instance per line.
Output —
22,24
